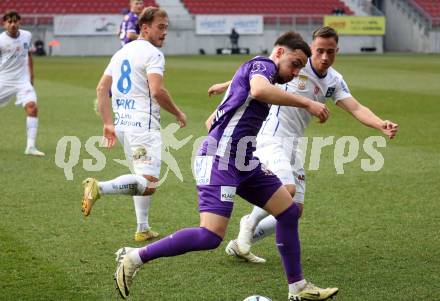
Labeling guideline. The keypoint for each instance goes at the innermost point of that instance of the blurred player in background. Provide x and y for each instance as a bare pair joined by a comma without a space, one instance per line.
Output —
221,170
135,76
277,141
17,75
129,28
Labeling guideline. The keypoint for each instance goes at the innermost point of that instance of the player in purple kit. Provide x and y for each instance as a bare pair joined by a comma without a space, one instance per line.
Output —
129,29
225,167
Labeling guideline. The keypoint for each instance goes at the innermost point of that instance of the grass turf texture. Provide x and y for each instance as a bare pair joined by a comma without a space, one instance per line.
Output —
374,235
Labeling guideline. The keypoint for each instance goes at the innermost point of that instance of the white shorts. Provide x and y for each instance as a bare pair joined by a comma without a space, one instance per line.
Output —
286,164
142,151
25,93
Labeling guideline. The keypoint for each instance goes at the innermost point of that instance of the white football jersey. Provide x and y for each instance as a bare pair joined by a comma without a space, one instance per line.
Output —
284,121
134,108
14,57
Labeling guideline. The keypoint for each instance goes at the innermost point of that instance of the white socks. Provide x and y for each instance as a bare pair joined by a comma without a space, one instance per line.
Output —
126,184
256,216
264,228
295,288
142,206
31,130
135,257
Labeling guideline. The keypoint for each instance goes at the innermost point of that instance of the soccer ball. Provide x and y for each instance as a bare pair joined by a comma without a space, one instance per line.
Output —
257,298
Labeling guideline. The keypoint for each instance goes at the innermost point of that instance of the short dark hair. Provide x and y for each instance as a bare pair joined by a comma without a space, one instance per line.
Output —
325,32
293,41
149,13
11,14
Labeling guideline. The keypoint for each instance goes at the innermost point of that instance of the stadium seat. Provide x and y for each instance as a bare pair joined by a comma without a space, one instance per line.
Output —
64,7
318,7
431,7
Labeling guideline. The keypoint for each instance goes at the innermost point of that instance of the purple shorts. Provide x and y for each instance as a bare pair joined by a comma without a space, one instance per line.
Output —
255,186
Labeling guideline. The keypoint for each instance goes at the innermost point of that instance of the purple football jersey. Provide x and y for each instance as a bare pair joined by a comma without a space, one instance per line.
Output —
239,117
129,24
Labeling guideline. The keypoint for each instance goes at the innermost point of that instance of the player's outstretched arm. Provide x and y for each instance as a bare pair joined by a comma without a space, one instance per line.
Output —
163,98
367,117
264,91
208,121
104,108
218,88
31,68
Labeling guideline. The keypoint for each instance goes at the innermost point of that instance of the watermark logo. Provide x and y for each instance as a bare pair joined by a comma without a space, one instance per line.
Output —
276,153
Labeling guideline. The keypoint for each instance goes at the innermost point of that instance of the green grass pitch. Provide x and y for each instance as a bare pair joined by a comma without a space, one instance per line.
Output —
375,235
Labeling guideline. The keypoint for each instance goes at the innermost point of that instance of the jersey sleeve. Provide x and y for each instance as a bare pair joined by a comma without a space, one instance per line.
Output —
341,90
109,68
156,64
264,69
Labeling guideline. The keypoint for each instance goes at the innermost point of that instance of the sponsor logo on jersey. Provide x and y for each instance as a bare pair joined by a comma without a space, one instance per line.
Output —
316,91
302,82
301,177
227,193
330,92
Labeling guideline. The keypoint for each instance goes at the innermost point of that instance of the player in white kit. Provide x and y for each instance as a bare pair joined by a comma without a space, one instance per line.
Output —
135,76
277,141
16,75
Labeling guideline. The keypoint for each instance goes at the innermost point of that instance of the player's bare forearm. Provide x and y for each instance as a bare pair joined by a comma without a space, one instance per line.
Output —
218,88
208,121
163,98
102,92
31,68
368,118
264,91
361,113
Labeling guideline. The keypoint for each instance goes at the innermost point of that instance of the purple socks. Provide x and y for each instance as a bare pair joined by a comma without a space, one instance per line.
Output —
287,239
180,242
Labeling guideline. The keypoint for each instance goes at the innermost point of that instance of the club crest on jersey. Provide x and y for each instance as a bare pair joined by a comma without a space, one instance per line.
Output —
316,91
258,67
330,92
302,82
25,45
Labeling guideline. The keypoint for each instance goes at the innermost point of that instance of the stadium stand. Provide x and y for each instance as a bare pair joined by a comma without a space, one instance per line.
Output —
322,7
68,6
43,10
430,6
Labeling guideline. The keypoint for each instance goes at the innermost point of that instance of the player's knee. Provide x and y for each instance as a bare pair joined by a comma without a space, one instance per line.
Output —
291,189
289,216
210,239
151,188
149,191
31,109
